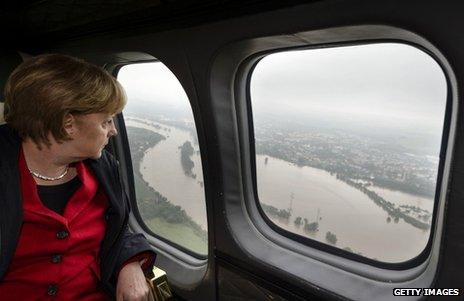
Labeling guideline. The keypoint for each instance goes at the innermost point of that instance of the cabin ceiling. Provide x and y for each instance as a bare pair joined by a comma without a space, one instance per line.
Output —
33,21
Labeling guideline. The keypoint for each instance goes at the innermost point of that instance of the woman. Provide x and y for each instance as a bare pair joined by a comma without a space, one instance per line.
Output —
63,222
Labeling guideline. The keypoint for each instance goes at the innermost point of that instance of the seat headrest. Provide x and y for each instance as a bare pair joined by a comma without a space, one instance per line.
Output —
9,60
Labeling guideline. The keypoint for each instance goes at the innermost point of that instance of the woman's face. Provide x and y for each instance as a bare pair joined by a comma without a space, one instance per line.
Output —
90,134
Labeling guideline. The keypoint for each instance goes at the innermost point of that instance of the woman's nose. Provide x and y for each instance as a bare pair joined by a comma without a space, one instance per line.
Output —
113,131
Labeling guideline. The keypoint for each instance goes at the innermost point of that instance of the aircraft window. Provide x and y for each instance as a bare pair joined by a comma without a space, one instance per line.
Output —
165,155
347,146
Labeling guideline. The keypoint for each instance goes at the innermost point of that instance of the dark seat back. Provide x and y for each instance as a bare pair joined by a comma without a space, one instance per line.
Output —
9,60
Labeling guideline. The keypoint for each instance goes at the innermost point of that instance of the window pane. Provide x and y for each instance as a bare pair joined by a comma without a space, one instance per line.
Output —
165,155
347,145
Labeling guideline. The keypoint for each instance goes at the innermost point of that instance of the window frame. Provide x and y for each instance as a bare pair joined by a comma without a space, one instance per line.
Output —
298,263
193,258
253,60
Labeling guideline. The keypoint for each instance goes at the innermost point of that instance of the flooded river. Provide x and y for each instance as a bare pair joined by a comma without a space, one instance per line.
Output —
311,193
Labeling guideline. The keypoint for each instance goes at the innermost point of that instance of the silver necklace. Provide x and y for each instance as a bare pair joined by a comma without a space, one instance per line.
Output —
45,178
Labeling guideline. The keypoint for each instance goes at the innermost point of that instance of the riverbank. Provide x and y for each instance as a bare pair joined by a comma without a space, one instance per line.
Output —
161,216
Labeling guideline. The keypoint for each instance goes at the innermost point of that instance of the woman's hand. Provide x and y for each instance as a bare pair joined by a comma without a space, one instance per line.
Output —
132,285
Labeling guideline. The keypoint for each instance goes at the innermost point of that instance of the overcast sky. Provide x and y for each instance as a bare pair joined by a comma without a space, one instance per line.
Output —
391,85
152,82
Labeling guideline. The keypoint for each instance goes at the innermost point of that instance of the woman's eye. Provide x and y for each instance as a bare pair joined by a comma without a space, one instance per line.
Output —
107,122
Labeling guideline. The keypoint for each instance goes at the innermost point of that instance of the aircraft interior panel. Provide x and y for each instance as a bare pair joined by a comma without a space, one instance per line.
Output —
340,181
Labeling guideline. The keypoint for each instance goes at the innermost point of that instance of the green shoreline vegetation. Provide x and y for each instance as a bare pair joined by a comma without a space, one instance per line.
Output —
389,207
159,214
284,215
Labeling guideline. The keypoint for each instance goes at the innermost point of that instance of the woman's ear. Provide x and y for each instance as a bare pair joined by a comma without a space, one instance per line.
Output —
69,124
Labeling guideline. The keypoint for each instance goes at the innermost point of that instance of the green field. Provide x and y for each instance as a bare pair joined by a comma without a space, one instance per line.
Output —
180,234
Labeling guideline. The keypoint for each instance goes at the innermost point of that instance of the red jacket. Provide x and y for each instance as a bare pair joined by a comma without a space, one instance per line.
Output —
57,256
118,245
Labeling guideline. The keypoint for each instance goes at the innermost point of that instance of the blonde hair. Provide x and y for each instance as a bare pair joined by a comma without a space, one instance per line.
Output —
43,90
